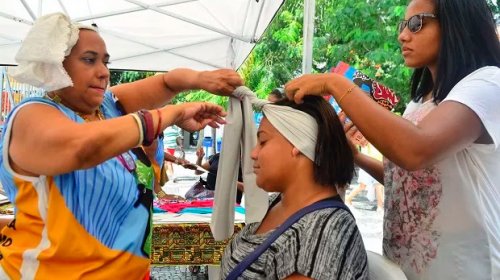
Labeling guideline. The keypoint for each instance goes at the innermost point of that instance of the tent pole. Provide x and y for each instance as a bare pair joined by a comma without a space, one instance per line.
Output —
28,9
4,73
308,35
258,19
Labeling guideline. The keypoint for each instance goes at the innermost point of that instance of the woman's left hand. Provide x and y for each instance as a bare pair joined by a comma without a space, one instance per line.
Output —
221,82
309,84
194,116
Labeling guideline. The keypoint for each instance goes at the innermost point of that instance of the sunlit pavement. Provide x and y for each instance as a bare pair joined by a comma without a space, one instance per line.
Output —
369,222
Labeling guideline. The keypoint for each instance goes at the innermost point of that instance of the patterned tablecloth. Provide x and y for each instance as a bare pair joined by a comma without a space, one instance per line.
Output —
6,209
187,244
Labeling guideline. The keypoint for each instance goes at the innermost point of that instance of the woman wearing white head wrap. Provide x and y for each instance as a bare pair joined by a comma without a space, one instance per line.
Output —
82,199
302,154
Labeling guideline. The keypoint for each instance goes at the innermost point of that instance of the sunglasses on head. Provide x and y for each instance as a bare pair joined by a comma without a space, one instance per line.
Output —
414,23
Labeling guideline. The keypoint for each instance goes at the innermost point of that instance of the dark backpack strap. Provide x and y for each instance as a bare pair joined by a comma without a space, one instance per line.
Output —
248,260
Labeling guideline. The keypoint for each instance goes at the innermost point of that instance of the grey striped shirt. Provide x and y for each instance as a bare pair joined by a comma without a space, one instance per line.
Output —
324,244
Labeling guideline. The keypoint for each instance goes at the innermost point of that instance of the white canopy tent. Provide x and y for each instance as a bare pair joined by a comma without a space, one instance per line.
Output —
152,35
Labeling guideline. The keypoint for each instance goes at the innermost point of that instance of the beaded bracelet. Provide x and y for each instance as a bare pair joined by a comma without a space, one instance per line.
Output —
141,128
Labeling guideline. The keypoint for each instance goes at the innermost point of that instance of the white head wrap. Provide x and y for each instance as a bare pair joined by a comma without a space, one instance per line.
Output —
43,50
298,127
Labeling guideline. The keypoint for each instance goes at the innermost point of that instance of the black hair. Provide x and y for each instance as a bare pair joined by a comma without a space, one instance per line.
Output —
469,41
278,93
334,162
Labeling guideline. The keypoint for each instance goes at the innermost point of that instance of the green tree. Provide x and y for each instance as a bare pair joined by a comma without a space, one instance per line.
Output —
361,33
119,76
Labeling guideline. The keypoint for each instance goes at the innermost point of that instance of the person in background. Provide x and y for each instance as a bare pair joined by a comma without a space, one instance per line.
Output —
212,165
73,166
159,158
442,158
375,189
303,163
172,139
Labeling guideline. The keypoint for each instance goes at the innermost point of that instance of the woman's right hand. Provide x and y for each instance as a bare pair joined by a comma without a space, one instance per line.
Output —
308,84
193,116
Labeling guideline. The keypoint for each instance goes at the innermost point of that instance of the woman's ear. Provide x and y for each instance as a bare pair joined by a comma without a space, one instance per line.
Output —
295,152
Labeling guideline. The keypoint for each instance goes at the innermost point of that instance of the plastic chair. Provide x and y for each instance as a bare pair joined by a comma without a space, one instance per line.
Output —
381,268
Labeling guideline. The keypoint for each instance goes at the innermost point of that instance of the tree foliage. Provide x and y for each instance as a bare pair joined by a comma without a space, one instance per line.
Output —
120,77
361,33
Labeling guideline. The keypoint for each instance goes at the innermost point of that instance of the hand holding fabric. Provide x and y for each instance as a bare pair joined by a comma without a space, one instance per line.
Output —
221,82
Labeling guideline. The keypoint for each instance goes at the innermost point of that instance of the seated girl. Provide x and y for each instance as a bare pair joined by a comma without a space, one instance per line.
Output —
303,155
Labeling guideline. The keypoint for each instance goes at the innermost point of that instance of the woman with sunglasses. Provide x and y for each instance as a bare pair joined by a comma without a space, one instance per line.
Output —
81,187
442,159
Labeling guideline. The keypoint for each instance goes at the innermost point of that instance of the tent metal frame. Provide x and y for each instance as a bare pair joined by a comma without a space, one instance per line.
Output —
141,6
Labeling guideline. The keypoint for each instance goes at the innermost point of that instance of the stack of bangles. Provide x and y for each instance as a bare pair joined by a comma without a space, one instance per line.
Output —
147,132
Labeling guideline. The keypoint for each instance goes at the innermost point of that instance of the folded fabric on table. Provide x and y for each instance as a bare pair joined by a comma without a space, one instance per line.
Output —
195,206
176,206
208,210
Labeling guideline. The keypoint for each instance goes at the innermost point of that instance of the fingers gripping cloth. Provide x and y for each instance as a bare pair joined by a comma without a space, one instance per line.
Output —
43,50
239,138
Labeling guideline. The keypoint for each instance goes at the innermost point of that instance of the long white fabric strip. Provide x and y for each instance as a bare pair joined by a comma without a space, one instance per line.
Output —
296,126
238,140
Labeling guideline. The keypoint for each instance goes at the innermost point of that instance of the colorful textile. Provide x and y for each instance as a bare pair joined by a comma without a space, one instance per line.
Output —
204,206
208,210
383,95
187,244
176,206
378,92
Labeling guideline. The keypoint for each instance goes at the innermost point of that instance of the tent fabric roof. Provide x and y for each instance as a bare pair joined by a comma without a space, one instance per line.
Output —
152,35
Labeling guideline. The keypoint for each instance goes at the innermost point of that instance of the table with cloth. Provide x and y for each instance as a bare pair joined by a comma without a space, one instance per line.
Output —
185,238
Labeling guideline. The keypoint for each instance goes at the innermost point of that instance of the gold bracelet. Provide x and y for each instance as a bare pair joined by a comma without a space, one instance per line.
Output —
346,93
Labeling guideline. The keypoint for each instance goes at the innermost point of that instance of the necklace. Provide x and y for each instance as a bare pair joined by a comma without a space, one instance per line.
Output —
98,113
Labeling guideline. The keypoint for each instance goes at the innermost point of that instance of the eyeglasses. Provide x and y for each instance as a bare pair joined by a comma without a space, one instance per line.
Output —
414,23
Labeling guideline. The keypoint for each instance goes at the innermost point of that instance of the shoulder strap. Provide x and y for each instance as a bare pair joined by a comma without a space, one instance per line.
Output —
248,260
